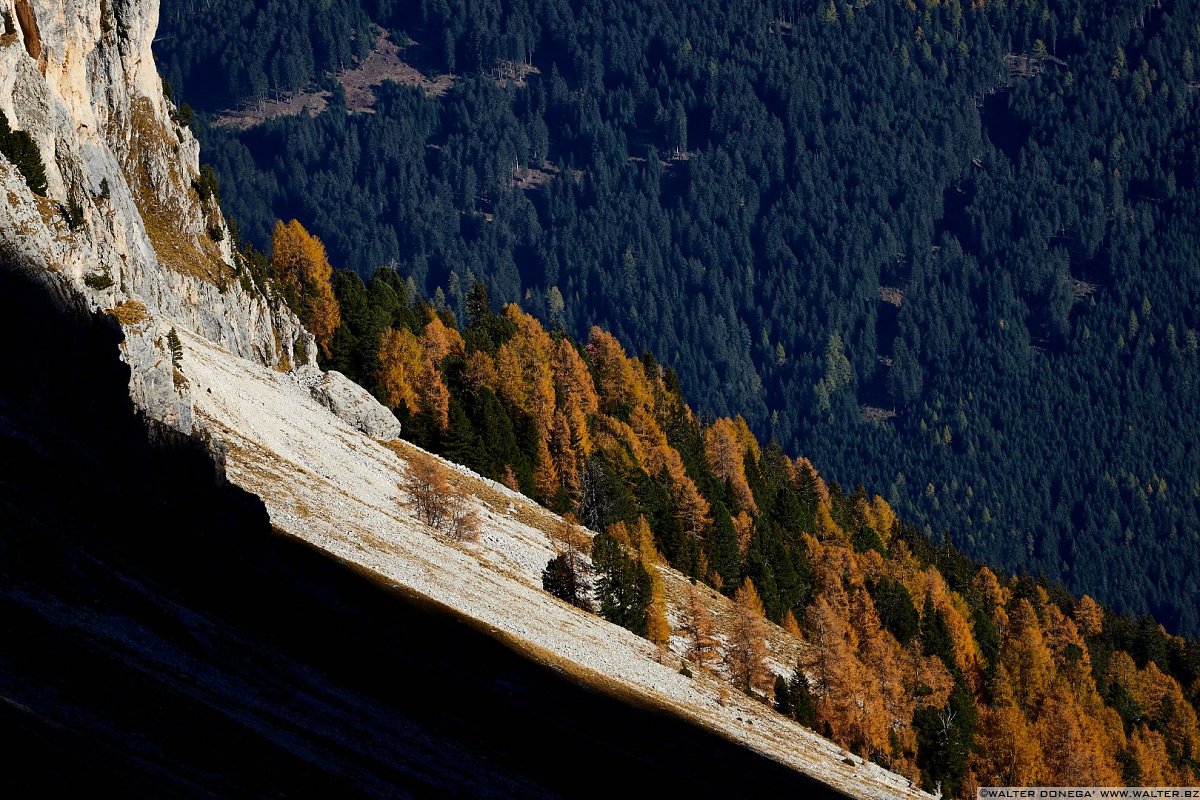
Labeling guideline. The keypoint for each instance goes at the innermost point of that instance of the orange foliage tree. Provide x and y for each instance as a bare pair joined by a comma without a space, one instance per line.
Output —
1008,752
696,624
302,273
658,630
747,651
401,361
725,452
621,381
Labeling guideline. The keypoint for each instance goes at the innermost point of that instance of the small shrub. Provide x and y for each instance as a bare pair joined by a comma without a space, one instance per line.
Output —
130,312
73,213
438,504
462,521
98,281
216,233
10,27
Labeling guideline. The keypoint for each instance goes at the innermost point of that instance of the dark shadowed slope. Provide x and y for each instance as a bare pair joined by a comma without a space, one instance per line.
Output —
156,637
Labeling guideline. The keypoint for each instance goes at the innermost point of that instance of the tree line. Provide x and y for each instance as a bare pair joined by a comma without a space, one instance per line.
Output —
924,661
947,249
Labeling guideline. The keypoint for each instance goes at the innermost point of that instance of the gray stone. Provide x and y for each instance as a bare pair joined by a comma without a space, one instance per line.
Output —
352,403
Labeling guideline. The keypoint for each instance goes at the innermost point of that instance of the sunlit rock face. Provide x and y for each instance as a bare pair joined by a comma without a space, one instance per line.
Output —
123,222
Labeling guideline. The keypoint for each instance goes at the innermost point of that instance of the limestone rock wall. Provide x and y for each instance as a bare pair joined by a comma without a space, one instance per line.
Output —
122,219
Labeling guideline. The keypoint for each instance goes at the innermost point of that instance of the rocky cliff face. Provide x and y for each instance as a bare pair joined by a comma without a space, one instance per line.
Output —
123,223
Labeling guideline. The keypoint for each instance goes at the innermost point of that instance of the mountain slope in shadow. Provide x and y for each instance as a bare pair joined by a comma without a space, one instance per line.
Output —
157,637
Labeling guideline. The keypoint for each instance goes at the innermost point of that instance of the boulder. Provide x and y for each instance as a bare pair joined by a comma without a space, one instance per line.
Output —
353,404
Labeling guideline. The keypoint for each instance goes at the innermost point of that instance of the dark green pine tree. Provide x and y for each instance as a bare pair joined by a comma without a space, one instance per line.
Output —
895,607
804,708
945,737
935,635
721,547
19,148
783,700
623,586
561,579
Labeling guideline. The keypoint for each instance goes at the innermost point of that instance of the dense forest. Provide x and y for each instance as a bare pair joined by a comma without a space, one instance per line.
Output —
948,249
921,659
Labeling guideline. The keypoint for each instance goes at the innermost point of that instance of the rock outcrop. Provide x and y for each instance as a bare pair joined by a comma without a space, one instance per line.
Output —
354,404
123,222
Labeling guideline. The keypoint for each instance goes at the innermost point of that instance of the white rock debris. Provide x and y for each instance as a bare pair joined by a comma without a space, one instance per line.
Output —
329,484
351,402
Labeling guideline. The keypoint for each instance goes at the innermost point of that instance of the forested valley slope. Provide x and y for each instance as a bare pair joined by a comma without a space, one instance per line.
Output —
946,249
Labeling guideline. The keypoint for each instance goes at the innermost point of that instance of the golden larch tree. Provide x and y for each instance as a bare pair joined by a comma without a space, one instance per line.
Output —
435,397
696,624
303,273
955,612
562,452
1149,749
1027,659
576,392
847,701
440,340
1074,753
401,361
481,371
881,518
725,453
545,474
748,440
884,698
1089,616
746,654
658,630
620,381
995,598
691,509
1007,752
523,366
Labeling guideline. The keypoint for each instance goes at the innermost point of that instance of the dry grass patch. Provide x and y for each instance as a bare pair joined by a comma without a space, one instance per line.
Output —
523,510
129,312
196,256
